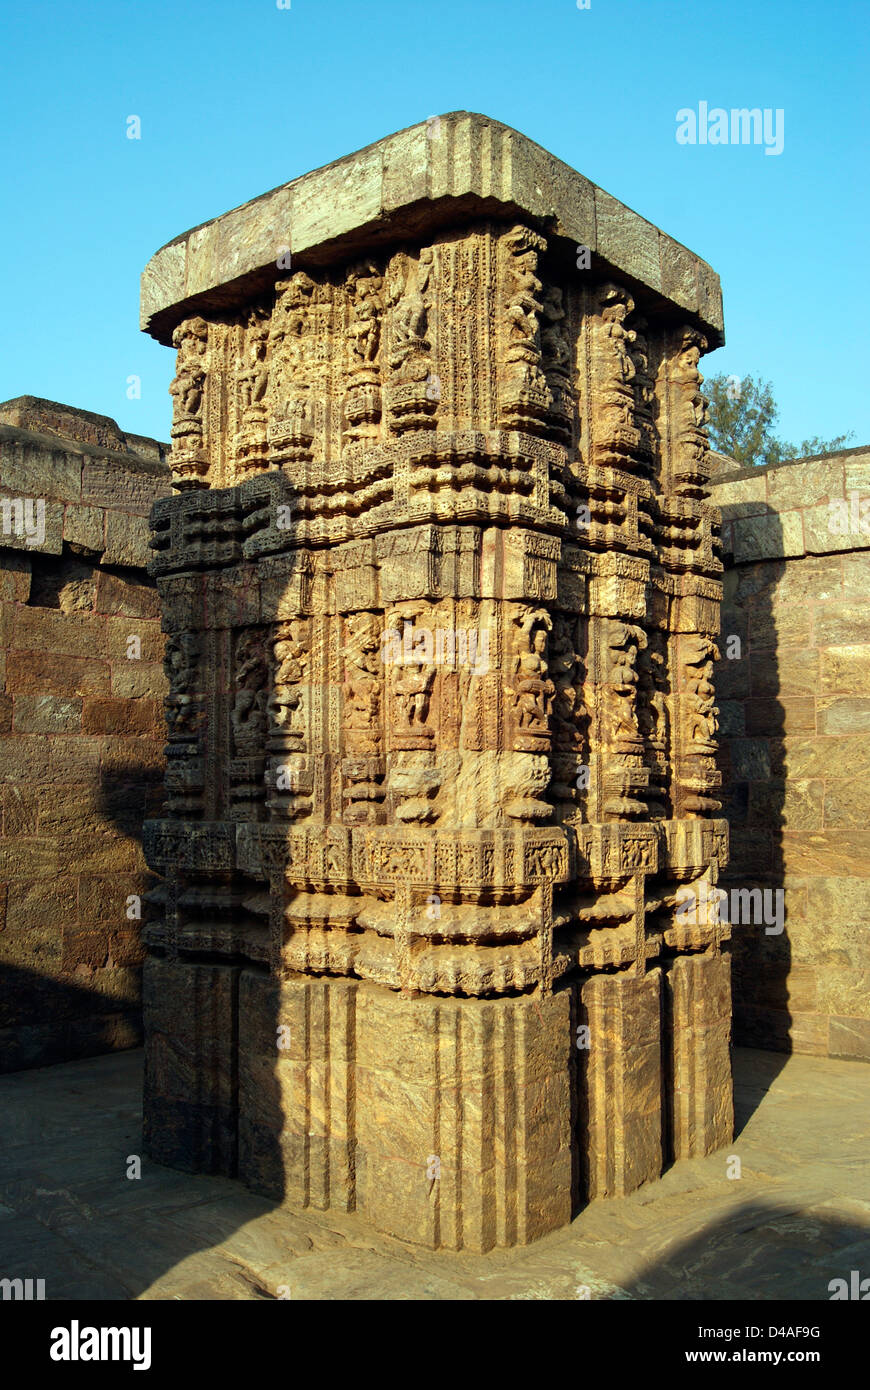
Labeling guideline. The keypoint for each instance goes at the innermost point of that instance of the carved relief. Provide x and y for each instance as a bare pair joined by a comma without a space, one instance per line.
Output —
531,693
413,391
415,777
700,694
644,393
625,777
252,381
248,724
363,766
616,438
556,361
533,689
699,777
362,402
690,466
289,774
524,395
568,716
184,707
654,717
189,459
291,425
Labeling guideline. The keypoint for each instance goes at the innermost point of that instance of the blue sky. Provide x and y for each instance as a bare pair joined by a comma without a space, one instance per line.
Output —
236,98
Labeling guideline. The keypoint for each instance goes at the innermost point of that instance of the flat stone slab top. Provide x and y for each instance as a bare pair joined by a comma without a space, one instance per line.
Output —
443,171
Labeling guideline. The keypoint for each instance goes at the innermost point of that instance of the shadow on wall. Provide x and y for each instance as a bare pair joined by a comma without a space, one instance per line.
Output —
87,998
752,761
82,1022
219,1099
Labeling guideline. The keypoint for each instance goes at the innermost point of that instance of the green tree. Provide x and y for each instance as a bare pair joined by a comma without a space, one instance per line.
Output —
742,416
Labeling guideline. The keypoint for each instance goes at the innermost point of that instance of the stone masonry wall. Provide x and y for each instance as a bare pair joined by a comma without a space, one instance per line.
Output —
81,728
81,738
795,725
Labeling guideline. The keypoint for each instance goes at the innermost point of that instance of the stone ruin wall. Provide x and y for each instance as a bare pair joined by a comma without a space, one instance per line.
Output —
791,711
425,877
795,717
81,730
395,863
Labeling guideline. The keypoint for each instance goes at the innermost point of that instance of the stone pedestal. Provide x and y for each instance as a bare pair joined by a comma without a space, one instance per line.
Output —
441,595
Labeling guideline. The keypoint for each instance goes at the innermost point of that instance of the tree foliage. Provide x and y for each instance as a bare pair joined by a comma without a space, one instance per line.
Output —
742,416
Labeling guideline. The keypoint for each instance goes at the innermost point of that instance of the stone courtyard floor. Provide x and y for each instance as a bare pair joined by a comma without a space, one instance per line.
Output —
798,1217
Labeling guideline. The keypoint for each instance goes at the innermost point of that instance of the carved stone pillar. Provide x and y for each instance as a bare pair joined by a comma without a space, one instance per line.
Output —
441,586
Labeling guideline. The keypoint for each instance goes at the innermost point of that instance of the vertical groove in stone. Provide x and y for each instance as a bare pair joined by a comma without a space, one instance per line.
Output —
697,1029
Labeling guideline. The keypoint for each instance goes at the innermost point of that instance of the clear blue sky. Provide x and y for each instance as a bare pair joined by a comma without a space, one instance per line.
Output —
236,98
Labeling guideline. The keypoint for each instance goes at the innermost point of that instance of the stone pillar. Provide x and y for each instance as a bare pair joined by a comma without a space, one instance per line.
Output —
190,1064
698,1048
441,591
620,1134
297,1045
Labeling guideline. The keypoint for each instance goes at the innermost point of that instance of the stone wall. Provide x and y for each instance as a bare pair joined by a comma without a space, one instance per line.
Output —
81,728
795,717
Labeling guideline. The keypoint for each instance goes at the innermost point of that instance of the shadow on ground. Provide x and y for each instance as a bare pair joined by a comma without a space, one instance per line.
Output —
797,1217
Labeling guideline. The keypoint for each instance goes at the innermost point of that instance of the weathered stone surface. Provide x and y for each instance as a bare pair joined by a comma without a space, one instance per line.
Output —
441,591
698,1005
799,784
621,1086
387,191
79,735
126,540
84,527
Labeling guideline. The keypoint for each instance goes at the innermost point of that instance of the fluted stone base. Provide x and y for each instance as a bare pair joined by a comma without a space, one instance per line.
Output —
457,1124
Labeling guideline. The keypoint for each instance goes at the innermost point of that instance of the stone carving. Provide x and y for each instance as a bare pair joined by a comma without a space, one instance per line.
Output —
699,778
248,724
412,397
700,694
182,705
248,717
556,361
644,394
429,857
252,375
291,427
289,773
362,406
525,396
568,716
624,641
533,688
691,470
184,709
626,778
189,459
363,766
616,437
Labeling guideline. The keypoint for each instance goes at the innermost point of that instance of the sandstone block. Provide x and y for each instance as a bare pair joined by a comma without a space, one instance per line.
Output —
621,1083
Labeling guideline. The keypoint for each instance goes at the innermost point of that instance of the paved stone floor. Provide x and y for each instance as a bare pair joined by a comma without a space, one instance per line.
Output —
798,1216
